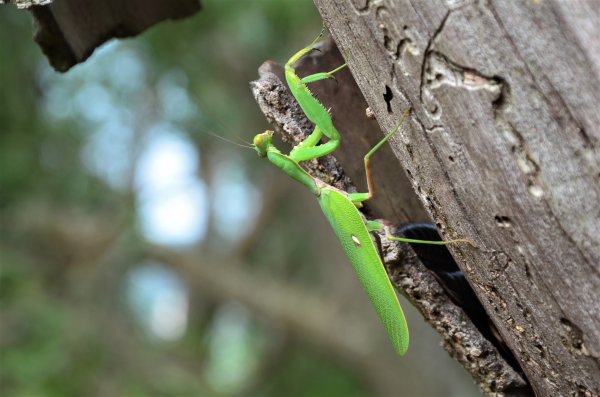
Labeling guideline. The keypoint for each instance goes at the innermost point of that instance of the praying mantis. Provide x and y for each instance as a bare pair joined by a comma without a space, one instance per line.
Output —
340,207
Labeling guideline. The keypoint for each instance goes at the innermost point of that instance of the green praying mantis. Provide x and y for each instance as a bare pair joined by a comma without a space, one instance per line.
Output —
340,207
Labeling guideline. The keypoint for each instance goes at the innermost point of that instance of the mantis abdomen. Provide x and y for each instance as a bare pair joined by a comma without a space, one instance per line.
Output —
357,243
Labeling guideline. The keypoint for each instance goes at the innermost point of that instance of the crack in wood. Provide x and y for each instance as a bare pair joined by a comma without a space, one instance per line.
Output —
359,8
424,93
440,71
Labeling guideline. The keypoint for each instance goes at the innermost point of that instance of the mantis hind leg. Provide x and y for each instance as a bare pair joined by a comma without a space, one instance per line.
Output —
391,237
374,226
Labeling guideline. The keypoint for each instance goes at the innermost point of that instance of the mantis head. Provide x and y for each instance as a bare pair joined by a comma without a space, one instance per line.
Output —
262,143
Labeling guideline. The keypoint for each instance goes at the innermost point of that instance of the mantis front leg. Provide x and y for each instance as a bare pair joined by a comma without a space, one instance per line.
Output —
312,147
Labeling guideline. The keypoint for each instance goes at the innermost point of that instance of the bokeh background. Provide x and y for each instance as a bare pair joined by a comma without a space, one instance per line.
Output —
143,256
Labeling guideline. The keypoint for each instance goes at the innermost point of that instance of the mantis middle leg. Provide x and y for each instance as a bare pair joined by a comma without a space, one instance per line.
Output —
358,198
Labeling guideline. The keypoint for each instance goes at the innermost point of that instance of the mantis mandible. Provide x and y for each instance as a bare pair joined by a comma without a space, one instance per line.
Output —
340,207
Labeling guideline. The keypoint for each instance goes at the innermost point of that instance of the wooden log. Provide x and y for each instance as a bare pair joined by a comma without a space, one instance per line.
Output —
503,148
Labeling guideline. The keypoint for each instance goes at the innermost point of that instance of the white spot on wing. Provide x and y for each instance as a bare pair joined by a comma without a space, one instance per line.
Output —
356,241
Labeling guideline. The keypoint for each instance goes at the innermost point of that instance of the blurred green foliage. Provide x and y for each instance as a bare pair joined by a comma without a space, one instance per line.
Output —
59,338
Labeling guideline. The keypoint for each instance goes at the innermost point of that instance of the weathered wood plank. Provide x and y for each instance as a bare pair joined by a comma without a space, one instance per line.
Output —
26,3
503,148
68,31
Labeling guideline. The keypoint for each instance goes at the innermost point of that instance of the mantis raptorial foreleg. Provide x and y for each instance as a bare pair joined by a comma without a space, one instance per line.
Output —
311,147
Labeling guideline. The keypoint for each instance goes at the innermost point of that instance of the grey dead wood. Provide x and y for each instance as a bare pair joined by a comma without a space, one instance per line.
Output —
68,31
503,148
22,4
461,339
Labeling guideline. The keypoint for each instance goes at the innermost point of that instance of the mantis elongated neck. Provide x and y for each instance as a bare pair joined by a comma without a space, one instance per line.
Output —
293,169
263,144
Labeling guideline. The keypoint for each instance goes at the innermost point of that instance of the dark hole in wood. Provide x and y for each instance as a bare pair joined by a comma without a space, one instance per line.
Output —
502,221
388,96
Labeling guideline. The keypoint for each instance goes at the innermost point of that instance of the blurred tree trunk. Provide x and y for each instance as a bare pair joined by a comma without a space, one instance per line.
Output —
502,148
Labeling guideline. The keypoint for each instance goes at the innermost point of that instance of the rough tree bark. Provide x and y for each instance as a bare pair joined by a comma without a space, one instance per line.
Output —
503,148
